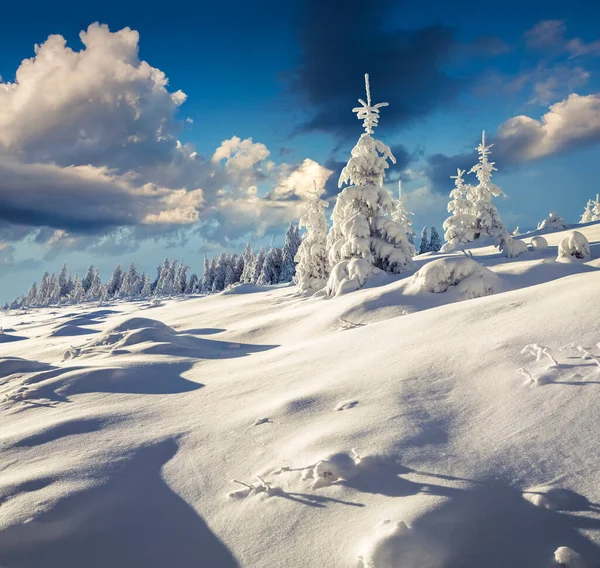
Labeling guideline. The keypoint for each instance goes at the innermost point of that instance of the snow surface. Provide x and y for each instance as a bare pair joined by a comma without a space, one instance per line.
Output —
390,427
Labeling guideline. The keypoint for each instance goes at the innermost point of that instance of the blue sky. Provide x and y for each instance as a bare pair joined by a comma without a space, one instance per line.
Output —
103,161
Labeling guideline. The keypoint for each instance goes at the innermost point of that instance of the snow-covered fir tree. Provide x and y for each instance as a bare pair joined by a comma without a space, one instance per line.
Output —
31,295
220,271
424,246
459,228
402,216
53,291
114,284
237,264
290,248
130,285
193,284
181,279
259,260
163,285
588,214
77,293
312,268
63,282
487,218
96,290
230,279
271,270
364,237
43,290
146,290
86,281
554,222
596,209
435,243
248,259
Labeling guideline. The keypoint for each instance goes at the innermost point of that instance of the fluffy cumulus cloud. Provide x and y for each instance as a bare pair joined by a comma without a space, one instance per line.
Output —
90,157
568,125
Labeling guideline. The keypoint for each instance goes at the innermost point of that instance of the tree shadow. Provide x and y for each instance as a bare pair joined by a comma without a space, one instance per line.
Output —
133,520
7,338
202,331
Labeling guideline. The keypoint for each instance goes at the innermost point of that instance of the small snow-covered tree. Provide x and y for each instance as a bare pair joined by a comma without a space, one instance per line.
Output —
596,209
588,213
229,275
554,222
248,258
312,269
32,295
219,275
271,270
63,282
362,230
290,248
192,284
77,293
237,264
164,285
402,216
459,228
487,218
43,291
86,281
96,290
180,284
130,285
207,276
435,244
114,284
258,265
53,291
424,247
146,290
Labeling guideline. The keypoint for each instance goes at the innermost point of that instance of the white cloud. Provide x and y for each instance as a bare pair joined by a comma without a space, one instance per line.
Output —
568,124
300,183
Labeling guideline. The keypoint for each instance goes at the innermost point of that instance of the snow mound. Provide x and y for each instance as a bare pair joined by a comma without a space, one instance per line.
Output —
509,247
395,545
554,222
69,330
539,243
348,276
247,288
470,279
567,558
573,247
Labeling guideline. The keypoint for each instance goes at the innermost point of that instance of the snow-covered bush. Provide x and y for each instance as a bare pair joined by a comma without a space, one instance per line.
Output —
362,229
510,247
459,228
574,247
395,545
554,222
567,558
470,279
539,243
348,276
312,270
487,218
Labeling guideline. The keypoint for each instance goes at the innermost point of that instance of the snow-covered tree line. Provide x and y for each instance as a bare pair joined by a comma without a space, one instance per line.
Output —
277,265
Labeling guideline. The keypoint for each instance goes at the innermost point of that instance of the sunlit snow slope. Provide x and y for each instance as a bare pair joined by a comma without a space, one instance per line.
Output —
389,427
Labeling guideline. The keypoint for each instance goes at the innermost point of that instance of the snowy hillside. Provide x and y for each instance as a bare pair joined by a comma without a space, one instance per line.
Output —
408,428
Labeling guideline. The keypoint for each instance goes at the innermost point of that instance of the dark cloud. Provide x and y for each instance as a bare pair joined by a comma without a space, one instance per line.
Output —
340,45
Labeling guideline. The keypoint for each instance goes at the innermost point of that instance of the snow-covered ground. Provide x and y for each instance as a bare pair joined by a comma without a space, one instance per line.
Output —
405,428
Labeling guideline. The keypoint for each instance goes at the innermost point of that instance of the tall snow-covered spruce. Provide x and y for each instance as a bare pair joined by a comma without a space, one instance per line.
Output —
363,238
487,218
312,269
